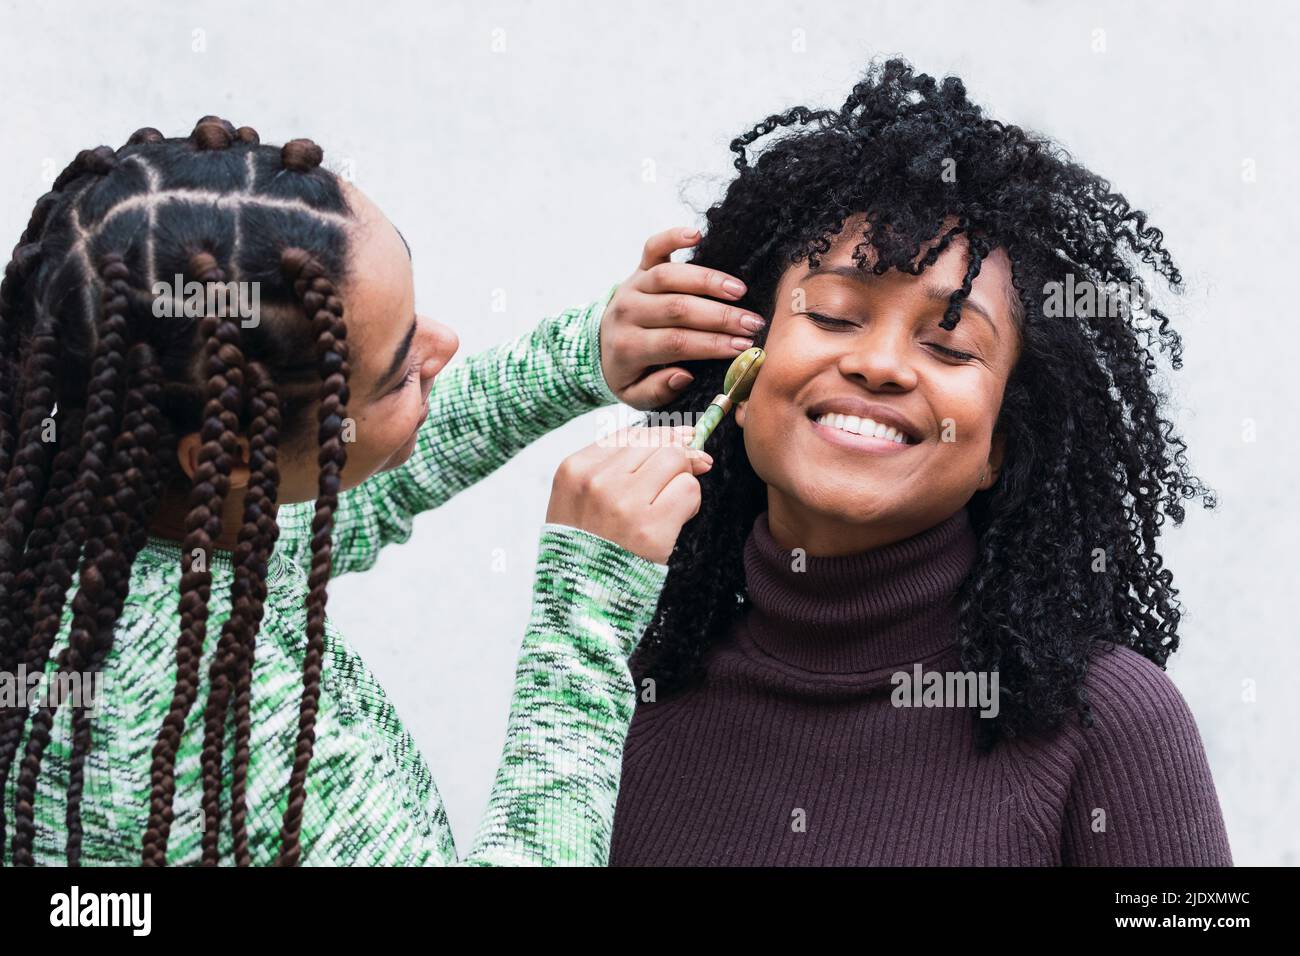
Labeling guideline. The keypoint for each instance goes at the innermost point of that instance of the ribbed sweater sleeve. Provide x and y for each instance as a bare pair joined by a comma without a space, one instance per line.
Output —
553,799
1141,792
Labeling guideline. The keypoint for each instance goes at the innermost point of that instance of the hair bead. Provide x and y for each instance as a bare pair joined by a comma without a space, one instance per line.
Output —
301,155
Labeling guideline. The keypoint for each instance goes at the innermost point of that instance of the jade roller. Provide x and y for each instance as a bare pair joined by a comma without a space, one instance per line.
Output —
735,389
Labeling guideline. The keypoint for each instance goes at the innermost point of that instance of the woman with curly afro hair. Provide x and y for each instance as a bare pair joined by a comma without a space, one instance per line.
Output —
920,618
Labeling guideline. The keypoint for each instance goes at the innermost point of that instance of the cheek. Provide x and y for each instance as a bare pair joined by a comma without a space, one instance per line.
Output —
966,414
387,427
767,423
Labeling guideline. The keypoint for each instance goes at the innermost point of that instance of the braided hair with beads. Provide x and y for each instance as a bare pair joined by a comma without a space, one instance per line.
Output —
96,388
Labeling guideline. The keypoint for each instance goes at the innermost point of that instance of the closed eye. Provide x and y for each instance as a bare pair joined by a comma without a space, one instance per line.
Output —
829,322
405,380
832,323
962,356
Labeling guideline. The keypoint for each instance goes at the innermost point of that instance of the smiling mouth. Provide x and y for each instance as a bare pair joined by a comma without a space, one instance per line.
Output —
862,428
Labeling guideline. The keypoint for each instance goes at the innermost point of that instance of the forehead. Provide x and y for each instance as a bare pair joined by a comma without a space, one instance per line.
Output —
379,294
993,289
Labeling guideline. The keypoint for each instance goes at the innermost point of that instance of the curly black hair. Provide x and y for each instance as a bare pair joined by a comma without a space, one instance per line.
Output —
1089,456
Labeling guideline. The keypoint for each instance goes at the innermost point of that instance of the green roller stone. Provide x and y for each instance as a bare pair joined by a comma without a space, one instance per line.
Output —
736,385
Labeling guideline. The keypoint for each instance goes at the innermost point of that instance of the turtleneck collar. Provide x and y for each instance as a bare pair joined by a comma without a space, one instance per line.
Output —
860,614
163,555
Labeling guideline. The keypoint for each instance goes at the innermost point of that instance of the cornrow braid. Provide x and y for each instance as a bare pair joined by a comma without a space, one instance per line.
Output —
324,309
223,361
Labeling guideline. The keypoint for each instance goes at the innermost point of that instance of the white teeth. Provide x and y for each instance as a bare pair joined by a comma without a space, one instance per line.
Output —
861,426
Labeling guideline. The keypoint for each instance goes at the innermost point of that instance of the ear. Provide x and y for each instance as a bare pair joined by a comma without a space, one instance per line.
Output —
997,451
740,413
187,452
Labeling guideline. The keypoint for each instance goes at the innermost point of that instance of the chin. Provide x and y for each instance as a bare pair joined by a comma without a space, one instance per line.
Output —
859,513
843,505
407,449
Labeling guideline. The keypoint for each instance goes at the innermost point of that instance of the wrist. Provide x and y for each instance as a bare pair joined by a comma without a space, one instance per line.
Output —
583,578
589,362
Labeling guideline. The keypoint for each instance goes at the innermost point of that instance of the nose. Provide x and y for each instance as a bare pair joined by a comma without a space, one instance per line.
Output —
881,355
443,345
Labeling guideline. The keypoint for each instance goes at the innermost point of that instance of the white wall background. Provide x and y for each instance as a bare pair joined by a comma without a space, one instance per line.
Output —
523,171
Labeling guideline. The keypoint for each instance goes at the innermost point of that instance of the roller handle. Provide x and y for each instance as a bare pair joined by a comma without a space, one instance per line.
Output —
708,421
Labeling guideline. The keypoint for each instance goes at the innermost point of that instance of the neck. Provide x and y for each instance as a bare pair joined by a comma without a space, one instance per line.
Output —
868,611
173,511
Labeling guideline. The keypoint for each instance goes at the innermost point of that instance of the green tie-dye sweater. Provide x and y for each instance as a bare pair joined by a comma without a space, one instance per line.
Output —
370,796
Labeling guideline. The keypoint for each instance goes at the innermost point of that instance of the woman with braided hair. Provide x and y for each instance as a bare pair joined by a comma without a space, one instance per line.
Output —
920,618
180,485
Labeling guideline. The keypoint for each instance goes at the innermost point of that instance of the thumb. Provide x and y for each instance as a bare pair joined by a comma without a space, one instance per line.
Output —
657,388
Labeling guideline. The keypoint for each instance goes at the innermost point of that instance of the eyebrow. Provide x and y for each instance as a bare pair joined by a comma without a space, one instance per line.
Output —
399,359
935,293
940,294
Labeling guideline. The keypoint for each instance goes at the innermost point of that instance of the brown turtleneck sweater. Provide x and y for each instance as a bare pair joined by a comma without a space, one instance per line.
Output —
791,751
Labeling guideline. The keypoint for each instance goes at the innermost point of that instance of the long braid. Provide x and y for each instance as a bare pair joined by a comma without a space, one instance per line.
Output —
135,487
53,591
26,487
66,427
24,476
232,666
264,482
223,362
103,415
22,561
26,257
42,546
224,662
26,482
324,309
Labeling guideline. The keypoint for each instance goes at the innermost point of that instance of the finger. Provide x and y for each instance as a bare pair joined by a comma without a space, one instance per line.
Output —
663,466
657,388
641,445
698,461
690,278
680,497
666,346
607,447
658,310
663,244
